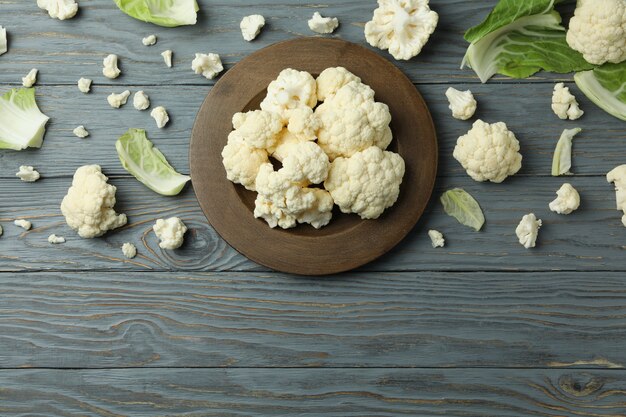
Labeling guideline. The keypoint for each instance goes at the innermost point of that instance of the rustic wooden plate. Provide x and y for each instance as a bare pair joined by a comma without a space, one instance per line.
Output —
347,242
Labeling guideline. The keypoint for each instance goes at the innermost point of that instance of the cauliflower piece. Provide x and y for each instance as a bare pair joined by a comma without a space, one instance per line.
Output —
331,80
209,65
141,101
30,79
167,57
88,205
366,183
351,121
323,25
598,31
170,232
27,174
567,200
110,69
84,85
265,209
118,100
618,177
321,211
258,128
284,145
129,250
24,224
436,239
251,26
241,161
303,123
401,26
59,9
564,103
307,163
488,152
291,90
55,240
527,230
462,103
1,230
80,132
149,40
160,116
3,42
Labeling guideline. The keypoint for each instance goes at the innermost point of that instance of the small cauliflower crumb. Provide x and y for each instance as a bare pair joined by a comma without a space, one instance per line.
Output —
80,132
24,224
55,240
27,174
170,232
251,26
209,65
564,103
149,40
323,25
30,79
110,69
436,238
167,57
527,230
141,101
159,114
567,200
129,250
118,100
84,85
617,176
462,103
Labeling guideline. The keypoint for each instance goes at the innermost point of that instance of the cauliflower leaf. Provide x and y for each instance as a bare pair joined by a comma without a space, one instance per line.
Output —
562,159
22,124
459,204
606,87
168,13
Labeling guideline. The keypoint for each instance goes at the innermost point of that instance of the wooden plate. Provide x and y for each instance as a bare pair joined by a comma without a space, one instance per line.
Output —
347,242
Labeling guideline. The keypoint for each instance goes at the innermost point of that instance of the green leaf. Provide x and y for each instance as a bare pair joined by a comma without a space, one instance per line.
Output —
22,124
168,13
462,206
606,87
562,159
520,38
146,163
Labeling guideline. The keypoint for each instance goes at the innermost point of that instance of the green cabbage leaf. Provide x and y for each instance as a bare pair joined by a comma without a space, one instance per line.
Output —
168,13
459,204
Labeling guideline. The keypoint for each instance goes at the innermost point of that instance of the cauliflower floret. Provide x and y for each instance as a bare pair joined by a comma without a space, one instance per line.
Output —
352,121
598,31
84,85
258,128
436,239
284,145
564,103
306,162
59,9
488,152
462,103
320,213
24,224
30,79
88,205
3,40
27,174
323,25
80,132
167,58
129,250
291,90
55,240
141,101
331,80
251,26
118,100
149,40
241,161
160,116
170,232
303,123
618,177
209,65
110,69
401,26
366,183
265,209
527,230
567,200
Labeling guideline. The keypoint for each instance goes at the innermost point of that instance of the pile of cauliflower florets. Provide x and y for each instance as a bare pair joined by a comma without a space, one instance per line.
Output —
339,143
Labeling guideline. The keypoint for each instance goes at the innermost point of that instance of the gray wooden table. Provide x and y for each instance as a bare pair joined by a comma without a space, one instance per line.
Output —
481,327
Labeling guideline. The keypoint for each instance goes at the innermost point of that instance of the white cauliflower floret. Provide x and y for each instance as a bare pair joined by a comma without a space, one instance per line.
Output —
306,163
59,9
323,25
251,26
331,80
3,41
160,116
55,240
170,232
167,58
366,183
209,65
118,100
141,101
24,224
30,79
80,132
564,103
401,26
265,209
284,144
618,177
241,161
291,90
258,128
84,85
129,250
462,103
436,239
321,211
110,69
149,40
527,230
88,205
304,124
567,200
352,121
27,174
598,31
488,152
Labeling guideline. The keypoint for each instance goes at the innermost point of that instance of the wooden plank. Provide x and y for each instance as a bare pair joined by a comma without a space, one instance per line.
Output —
526,111
592,238
509,320
312,392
